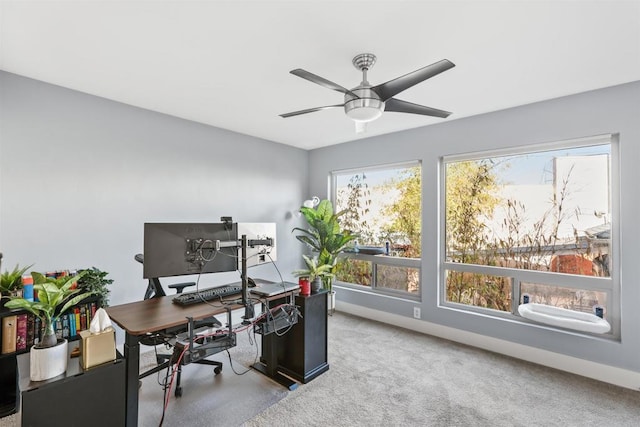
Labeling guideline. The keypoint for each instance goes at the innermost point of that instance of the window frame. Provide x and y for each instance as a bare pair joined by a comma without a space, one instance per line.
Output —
386,260
609,285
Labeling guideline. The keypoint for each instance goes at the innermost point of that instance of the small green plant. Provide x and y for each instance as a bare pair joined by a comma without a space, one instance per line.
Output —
55,297
11,281
314,270
96,282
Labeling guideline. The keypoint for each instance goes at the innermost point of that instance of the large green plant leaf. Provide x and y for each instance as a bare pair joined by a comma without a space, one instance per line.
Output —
23,304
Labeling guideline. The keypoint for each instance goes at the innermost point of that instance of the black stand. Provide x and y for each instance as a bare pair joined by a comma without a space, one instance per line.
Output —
301,354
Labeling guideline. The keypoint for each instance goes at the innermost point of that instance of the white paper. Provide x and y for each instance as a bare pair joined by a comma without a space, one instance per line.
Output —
100,322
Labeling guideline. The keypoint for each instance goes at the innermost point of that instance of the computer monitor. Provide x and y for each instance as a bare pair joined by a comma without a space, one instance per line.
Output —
257,254
177,249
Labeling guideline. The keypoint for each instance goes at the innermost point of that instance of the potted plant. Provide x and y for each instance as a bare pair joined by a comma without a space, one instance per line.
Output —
95,281
315,272
55,296
325,236
11,281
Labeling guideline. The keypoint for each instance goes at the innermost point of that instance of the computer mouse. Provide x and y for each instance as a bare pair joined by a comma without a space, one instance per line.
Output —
250,282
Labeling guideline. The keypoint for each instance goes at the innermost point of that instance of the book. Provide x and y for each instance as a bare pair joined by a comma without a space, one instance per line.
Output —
64,319
21,332
37,330
9,332
83,317
72,324
31,329
76,311
58,328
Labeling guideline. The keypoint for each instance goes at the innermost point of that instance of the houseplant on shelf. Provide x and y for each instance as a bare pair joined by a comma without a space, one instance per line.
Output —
315,272
55,296
95,281
11,281
325,237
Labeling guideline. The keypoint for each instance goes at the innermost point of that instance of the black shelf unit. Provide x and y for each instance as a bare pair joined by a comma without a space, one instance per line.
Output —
9,367
301,353
73,393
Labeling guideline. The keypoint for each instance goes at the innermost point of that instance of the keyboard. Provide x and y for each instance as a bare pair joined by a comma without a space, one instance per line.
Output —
209,294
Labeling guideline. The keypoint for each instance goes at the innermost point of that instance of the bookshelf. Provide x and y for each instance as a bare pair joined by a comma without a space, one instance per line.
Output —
18,332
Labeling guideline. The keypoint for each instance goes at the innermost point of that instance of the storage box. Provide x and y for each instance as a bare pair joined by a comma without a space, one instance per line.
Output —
98,348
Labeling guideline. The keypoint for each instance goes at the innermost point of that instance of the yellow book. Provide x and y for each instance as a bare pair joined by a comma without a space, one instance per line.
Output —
9,334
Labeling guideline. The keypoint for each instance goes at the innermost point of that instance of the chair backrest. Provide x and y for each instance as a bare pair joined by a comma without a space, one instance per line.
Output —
154,287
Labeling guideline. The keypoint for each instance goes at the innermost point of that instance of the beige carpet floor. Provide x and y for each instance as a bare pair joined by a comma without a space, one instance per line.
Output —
381,375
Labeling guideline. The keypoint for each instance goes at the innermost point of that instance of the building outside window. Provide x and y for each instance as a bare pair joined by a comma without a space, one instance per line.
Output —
531,224
383,205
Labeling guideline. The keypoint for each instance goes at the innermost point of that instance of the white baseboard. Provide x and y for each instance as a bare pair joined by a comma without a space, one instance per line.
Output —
597,371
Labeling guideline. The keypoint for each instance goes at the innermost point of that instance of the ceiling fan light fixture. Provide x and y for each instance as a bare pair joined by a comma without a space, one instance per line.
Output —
364,109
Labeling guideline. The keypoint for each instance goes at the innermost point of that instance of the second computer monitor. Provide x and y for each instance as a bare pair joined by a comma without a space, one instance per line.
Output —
259,254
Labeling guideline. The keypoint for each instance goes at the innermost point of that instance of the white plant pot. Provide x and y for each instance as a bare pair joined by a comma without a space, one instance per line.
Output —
49,362
331,301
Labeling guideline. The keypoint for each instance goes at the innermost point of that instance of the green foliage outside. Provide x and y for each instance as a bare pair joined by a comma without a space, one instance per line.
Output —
473,193
471,199
402,228
406,211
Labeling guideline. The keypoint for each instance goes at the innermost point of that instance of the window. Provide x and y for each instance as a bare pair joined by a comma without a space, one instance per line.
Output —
535,222
383,205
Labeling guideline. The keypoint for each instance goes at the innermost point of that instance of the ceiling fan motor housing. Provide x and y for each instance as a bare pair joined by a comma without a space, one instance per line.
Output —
366,108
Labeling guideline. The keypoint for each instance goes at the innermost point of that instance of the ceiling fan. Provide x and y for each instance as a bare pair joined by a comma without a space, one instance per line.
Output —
365,102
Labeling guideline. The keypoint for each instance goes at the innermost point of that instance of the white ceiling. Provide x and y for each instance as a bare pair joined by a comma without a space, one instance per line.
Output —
227,63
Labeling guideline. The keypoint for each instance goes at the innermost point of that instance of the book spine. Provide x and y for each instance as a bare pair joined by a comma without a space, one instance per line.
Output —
76,311
65,326
58,328
83,317
37,331
72,324
9,331
21,332
31,329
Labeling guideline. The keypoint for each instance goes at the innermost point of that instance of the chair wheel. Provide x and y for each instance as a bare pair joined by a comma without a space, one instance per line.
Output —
178,392
217,370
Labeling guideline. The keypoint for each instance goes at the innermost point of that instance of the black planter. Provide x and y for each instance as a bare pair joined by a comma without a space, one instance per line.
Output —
316,285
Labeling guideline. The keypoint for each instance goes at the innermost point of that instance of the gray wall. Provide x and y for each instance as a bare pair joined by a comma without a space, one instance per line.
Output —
611,110
79,175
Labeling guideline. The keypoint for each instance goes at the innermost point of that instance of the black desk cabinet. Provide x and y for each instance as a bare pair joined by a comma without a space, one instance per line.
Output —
302,352
93,397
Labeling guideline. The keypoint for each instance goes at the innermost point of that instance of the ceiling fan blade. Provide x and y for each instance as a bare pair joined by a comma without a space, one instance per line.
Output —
395,86
399,106
310,110
321,81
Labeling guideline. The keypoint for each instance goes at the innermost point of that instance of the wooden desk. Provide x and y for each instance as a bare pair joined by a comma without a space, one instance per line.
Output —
156,314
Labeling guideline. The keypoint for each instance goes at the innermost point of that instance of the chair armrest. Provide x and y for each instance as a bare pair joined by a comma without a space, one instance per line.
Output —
179,287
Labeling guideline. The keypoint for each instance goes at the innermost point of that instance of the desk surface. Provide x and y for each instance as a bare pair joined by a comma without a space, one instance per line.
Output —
141,317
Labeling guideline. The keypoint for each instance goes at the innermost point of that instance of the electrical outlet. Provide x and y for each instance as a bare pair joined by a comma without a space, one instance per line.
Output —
416,312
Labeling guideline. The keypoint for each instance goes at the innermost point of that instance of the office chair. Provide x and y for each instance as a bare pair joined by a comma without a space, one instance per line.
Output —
168,337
